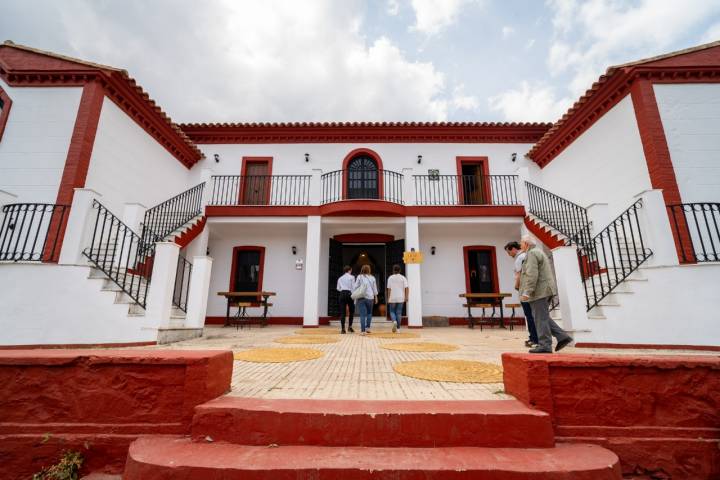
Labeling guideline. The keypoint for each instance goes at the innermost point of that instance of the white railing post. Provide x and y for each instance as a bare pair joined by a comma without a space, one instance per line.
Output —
162,285
206,176
412,271
79,227
598,216
570,288
312,272
655,227
198,292
523,175
315,193
408,190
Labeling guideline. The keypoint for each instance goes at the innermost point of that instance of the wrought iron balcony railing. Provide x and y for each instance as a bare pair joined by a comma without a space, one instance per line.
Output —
697,230
268,190
29,232
359,184
440,190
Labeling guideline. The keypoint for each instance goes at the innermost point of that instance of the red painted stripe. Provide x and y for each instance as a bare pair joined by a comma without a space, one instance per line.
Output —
649,346
76,345
365,208
547,238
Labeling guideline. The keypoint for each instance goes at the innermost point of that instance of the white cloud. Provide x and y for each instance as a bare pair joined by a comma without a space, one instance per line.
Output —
393,7
529,103
461,101
276,60
529,44
712,34
433,16
507,31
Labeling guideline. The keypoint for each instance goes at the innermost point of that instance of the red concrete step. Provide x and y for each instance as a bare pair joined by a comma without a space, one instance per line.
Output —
254,421
179,458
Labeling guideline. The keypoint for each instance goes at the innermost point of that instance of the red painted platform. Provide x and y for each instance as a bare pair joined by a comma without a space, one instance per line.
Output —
179,458
253,421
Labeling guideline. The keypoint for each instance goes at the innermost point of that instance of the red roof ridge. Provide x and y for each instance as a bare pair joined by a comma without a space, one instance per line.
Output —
361,124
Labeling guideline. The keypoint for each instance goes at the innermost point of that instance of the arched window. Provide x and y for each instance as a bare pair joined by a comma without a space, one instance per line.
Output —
362,178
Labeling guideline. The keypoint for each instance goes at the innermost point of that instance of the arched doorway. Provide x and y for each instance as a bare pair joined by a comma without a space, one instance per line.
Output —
362,177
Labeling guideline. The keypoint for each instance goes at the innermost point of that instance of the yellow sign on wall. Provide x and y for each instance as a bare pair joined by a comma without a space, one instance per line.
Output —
412,257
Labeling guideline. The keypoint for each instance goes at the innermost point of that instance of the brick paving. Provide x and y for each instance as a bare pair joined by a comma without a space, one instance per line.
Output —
357,368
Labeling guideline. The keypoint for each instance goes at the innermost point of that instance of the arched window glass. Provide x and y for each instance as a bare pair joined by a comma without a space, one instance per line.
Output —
362,178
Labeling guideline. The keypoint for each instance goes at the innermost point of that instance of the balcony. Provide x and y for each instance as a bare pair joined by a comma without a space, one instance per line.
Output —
260,190
452,190
359,184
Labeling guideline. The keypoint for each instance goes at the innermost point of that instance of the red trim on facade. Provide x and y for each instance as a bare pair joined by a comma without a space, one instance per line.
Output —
378,162
220,320
22,66
185,238
247,248
365,208
243,174
362,132
650,346
657,156
485,165
51,346
5,112
364,238
493,259
547,238
77,163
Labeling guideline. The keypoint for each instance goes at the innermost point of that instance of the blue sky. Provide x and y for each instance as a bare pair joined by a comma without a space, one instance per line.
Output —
349,60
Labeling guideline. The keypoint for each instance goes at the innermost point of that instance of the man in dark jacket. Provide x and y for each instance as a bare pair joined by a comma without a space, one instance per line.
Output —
537,286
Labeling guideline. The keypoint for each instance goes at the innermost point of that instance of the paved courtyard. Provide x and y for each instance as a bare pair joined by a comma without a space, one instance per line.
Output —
357,368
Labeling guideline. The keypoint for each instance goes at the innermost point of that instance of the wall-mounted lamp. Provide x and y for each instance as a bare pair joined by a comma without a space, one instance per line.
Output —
419,159
294,250
432,250
307,157
217,158
513,157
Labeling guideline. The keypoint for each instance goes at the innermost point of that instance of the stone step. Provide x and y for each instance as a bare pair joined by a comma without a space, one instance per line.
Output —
252,421
167,457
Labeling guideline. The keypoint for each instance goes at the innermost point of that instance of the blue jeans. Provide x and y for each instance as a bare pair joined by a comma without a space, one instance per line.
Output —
532,331
365,308
395,310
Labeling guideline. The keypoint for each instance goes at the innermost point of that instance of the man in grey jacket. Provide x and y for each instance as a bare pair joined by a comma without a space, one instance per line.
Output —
537,286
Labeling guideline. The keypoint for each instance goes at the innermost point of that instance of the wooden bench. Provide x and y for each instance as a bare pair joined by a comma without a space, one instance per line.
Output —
483,320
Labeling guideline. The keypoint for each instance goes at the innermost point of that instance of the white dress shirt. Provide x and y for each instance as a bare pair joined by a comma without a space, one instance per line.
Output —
345,282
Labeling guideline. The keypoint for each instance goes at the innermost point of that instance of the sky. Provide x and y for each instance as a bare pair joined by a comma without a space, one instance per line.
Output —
352,60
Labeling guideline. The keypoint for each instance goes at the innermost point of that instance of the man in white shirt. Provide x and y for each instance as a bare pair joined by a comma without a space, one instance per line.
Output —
513,249
397,294
345,287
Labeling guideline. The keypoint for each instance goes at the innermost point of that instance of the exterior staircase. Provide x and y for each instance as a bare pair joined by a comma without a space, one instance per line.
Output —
244,438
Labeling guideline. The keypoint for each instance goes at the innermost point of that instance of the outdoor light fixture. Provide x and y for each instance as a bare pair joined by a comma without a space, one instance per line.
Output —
294,250
419,159
217,158
513,157
307,157
432,250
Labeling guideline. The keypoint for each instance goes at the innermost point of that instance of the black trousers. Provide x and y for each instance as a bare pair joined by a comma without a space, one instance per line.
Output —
346,299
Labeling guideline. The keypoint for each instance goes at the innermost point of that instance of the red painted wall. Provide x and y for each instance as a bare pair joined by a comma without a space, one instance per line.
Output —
660,415
98,402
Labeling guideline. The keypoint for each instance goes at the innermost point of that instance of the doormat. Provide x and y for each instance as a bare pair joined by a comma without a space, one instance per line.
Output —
317,331
278,355
458,371
307,339
420,347
397,335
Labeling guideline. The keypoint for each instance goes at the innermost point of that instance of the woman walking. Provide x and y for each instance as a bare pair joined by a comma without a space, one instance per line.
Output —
365,295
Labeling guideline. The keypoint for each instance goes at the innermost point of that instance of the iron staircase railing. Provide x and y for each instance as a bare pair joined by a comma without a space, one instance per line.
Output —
168,216
568,218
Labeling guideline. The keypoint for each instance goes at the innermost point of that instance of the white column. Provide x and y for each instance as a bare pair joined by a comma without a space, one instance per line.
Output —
570,288
312,272
655,227
206,176
409,195
80,225
523,174
133,216
598,216
199,291
315,193
412,271
162,285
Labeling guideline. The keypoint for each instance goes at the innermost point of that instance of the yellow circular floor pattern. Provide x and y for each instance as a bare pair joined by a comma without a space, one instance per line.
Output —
420,347
305,339
278,355
460,371
317,331
397,336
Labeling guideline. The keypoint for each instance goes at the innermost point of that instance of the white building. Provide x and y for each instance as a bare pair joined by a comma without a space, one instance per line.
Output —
120,227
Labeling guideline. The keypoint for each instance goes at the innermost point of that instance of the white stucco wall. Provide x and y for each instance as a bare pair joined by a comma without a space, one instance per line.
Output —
690,114
71,310
129,166
279,274
606,164
35,143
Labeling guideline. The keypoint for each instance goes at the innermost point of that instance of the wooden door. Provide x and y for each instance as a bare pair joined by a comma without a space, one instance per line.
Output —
256,184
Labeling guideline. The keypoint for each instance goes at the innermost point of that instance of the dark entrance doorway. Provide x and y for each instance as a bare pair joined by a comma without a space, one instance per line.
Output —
480,269
362,178
380,256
